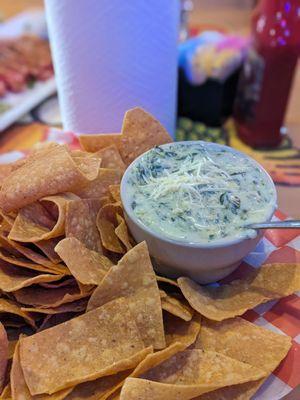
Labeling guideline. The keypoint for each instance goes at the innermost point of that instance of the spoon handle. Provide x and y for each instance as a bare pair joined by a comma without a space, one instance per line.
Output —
288,224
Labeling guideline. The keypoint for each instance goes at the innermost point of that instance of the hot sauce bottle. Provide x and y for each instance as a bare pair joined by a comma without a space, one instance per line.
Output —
267,75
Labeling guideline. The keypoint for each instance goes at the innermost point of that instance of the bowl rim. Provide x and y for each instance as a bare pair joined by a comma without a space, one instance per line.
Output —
220,243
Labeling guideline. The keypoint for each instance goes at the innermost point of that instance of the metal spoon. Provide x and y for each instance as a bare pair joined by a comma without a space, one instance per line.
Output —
288,224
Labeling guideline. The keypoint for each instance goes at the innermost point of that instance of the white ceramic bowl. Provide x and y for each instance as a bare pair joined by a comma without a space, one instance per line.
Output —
203,263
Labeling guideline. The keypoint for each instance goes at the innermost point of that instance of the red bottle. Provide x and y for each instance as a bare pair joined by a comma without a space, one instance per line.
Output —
268,72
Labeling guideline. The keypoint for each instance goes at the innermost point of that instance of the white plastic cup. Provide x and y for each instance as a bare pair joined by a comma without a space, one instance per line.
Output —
112,55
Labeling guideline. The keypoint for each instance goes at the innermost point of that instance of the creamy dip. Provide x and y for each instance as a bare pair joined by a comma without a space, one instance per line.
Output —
195,192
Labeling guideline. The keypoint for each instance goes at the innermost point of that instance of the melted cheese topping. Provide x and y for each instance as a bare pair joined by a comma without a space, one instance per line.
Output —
197,192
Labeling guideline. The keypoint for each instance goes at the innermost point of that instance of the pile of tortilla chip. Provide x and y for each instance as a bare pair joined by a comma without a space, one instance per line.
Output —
83,315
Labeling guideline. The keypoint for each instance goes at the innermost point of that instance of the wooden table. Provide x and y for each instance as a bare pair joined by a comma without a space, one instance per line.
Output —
232,15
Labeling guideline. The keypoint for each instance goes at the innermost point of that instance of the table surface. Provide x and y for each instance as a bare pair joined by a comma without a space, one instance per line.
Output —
231,15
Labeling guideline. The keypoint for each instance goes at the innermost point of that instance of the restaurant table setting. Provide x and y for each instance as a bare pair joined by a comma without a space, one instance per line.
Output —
131,266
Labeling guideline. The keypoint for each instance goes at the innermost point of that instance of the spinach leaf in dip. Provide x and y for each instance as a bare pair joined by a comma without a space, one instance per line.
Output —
199,192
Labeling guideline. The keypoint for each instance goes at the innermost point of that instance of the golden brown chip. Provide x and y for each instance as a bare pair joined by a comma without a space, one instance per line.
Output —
3,355
271,281
166,280
244,341
50,171
9,307
75,306
8,219
22,261
80,153
94,143
122,233
244,391
176,307
184,332
6,393
140,132
19,387
101,388
99,186
179,336
134,279
106,224
81,223
18,251
34,222
188,374
13,278
111,158
49,298
89,166
11,348
87,266
114,191
47,247
102,342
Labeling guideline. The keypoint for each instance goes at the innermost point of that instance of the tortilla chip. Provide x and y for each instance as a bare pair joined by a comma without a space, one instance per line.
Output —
65,282
114,191
87,266
52,320
80,153
6,393
102,342
49,298
13,278
94,143
8,220
101,388
176,307
140,132
188,374
244,391
89,166
166,280
19,387
133,277
111,158
81,223
22,262
244,341
122,233
3,355
5,171
11,348
99,186
269,282
9,307
179,336
47,247
15,249
106,224
51,171
75,306
35,223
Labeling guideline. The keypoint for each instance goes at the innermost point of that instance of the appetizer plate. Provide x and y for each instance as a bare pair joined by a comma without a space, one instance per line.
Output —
14,105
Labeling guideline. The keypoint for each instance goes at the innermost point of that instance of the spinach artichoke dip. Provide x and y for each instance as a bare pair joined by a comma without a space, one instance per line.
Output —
198,192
